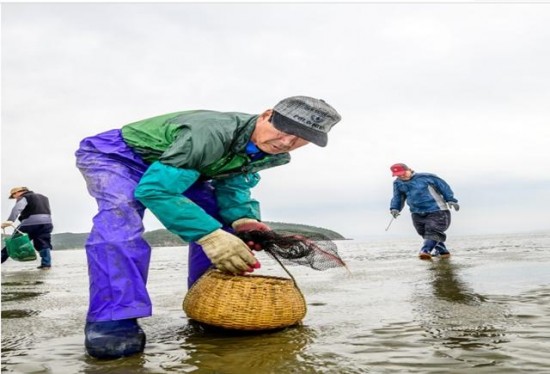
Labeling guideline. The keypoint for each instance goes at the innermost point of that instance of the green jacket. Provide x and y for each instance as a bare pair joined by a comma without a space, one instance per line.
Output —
185,146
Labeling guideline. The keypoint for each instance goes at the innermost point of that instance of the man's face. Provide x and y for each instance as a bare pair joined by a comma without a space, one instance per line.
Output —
17,195
270,140
406,176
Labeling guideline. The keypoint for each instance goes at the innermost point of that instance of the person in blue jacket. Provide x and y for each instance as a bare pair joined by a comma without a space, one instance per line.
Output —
429,199
194,170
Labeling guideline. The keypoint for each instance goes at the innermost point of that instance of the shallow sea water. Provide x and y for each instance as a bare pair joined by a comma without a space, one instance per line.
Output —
484,310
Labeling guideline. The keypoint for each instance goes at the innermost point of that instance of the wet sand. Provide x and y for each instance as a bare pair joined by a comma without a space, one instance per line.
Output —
484,310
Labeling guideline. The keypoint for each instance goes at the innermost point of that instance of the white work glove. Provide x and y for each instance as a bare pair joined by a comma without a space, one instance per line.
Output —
228,253
7,224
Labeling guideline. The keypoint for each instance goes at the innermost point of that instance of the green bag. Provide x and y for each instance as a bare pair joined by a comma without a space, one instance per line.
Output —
20,247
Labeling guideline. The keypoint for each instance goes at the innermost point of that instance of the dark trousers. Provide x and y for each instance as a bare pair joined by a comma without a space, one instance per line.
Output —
432,225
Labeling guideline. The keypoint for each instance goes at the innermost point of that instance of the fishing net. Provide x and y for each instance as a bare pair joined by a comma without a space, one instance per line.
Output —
316,250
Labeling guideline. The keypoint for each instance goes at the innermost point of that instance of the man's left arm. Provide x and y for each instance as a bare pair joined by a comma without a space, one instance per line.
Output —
234,197
445,190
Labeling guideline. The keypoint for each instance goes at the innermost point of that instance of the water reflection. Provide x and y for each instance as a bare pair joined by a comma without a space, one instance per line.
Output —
214,350
196,348
17,292
447,285
18,313
460,319
17,295
481,308
134,364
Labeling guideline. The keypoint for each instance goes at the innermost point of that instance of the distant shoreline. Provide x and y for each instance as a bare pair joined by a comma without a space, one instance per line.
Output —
164,238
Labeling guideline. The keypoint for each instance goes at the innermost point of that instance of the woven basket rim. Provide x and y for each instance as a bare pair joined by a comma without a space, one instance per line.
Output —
216,272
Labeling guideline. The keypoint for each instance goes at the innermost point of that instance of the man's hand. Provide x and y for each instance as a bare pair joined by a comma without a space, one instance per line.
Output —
394,213
249,224
455,206
228,253
6,224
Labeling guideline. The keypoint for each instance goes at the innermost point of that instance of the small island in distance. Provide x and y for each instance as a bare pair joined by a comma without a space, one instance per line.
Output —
164,238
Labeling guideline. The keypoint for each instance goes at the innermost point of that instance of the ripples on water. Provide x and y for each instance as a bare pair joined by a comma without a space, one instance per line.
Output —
485,310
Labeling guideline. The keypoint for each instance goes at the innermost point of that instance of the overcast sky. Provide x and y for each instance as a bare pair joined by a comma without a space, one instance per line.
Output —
461,90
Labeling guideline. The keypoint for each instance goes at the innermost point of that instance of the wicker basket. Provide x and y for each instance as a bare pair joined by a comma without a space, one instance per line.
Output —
244,302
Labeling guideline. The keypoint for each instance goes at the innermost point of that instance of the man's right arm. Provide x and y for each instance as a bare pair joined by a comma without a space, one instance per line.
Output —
398,199
161,190
17,209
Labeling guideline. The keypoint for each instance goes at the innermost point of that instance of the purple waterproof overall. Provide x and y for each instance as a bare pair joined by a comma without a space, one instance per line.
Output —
118,256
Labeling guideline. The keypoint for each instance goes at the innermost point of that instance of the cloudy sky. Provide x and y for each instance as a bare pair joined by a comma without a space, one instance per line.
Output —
461,90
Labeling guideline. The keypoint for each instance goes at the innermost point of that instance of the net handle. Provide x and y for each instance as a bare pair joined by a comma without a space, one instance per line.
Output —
283,266
212,267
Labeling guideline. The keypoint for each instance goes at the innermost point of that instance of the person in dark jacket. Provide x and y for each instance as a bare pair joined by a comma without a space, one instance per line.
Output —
429,198
34,213
194,171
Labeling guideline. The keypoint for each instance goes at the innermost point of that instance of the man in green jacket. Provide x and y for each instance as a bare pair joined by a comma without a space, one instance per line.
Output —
193,170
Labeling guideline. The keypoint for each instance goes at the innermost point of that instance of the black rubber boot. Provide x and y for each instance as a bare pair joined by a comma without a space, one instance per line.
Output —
426,250
442,250
114,339
5,255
